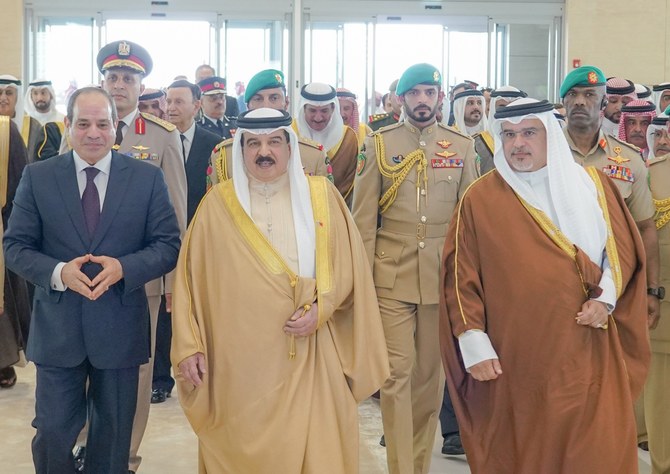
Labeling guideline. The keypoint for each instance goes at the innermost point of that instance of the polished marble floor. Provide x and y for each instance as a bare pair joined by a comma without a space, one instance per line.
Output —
169,446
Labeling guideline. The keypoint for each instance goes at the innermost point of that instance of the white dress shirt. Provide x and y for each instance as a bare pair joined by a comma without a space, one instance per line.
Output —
100,181
188,140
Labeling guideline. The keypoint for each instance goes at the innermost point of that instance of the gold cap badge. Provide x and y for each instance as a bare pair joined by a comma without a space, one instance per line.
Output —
124,49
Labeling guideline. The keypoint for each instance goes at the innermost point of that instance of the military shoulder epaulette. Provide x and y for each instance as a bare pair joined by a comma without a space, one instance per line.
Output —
159,121
656,159
629,145
386,128
378,117
453,130
221,144
311,143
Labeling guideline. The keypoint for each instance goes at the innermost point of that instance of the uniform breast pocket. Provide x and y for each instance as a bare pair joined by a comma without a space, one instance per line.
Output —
407,189
625,187
623,178
446,186
387,258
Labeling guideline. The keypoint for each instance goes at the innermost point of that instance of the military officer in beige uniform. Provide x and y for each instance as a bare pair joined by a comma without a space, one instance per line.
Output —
413,173
657,412
145,137
583,93
267,89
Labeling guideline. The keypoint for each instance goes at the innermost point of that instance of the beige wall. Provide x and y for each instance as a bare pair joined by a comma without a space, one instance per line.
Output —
622,37
11,37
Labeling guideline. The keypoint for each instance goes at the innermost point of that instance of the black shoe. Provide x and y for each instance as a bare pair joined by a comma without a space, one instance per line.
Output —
79,455
159,395
382,441
644,445
452,445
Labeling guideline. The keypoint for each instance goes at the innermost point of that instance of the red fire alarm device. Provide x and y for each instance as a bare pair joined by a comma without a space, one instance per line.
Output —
576,63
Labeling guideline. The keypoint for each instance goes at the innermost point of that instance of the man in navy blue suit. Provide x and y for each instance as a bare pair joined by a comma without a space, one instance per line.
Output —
89,228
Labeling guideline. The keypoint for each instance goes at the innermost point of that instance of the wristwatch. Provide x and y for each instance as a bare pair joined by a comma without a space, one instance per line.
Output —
657,292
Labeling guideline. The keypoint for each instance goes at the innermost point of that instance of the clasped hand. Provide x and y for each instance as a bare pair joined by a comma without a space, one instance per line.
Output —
303,322
76,280
593,314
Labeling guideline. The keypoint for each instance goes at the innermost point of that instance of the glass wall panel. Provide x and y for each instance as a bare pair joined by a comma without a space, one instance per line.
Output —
468,53
55,37
177,47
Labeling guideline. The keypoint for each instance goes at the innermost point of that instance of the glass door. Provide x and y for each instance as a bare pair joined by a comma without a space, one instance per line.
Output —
527,56
53,38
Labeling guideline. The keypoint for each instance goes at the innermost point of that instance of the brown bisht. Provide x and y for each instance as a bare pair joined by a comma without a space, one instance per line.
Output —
564,401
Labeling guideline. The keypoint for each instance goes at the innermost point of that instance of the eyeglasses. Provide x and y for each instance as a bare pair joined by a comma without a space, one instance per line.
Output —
527,134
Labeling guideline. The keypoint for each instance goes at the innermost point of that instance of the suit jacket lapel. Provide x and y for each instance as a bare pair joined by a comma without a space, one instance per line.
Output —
66,177
193,152
116,189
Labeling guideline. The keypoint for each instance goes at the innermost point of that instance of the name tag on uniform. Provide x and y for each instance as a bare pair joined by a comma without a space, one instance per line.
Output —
619,172
446,162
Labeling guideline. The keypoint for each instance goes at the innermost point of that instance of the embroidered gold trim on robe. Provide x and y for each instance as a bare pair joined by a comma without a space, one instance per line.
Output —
25,129
254,237
611,248
559,238
5,122
324,275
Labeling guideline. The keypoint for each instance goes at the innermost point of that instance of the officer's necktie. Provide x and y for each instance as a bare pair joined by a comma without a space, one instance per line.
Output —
119,133
183,148
90,201
219,125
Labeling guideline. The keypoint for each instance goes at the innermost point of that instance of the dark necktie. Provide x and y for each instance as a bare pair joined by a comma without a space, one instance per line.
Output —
119,133
90,201
219,125
183,148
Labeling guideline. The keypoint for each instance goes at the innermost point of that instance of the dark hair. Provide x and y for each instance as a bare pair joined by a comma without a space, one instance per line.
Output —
90,90
195,90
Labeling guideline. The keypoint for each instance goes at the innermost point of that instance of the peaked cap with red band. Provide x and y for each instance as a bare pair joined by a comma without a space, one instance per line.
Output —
125,54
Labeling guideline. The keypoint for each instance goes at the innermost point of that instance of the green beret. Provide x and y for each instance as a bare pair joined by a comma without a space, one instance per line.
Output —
418,74
584,76
266,79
